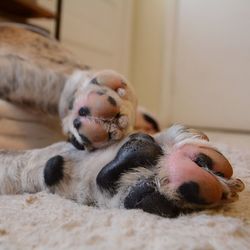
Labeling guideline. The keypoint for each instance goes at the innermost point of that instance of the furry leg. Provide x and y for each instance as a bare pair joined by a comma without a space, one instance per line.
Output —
23,171
30,85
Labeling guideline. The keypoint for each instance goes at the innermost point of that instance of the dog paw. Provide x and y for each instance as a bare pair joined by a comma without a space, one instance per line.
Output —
196,176
102,112
187,179
189,174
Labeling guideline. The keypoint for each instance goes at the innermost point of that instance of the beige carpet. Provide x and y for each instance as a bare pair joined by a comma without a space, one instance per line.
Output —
46,221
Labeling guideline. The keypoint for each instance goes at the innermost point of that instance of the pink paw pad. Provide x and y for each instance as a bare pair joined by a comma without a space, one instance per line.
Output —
110,79
103,110
194,172
99,106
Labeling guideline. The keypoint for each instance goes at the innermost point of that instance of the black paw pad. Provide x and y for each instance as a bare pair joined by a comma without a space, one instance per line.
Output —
204,161
53,171
85,140
190,192
142,136
139,151
137,193
94,81
71,103
101,92
112,101
84,111
77,123
152,121
75,143
144,196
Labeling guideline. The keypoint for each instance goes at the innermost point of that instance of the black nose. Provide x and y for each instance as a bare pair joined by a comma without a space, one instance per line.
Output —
77,123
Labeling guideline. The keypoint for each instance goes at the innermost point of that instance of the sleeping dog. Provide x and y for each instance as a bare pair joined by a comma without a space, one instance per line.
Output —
105,164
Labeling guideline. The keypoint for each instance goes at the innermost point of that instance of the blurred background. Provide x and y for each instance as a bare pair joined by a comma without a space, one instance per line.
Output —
189,60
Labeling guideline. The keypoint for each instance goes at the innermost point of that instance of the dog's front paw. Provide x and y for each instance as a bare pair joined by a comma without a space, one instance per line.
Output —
103,111
198,175
179,174
188,178
193,173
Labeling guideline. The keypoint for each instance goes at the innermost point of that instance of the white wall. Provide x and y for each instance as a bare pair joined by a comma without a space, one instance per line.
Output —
211,66
146,57
191,61
189,58
98,32
148,52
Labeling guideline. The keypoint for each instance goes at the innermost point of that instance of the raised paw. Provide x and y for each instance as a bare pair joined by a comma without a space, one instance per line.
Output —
102,111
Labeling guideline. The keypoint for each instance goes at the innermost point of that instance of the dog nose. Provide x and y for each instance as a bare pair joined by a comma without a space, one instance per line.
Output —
77,123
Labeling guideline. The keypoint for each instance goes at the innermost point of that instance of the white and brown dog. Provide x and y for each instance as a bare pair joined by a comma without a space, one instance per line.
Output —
174,172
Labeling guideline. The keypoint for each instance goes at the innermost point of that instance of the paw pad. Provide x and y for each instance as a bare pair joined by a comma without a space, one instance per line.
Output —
103,111
84,111
53,171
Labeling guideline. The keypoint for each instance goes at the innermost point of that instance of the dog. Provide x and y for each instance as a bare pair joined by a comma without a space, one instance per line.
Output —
104,163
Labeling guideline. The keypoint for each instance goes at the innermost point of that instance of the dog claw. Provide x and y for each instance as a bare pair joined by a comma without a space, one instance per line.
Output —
236,185
121,92
123,121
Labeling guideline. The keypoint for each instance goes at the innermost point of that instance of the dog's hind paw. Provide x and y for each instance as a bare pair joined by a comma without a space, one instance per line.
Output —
103,111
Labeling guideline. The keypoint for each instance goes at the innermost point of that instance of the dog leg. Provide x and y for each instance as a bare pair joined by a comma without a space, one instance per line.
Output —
96,109
23,171
59,168
29,85
33,68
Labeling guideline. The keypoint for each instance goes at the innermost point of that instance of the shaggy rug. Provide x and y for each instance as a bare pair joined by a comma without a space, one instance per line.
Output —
47,221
